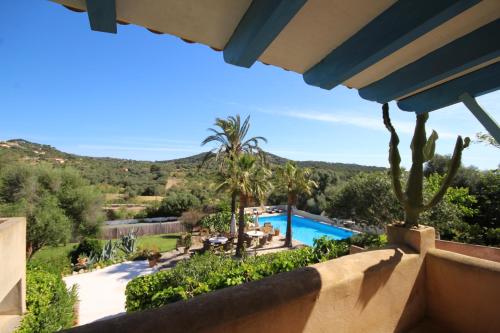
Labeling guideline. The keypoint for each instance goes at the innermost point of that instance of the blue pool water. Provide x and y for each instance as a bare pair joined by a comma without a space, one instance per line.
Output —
305,230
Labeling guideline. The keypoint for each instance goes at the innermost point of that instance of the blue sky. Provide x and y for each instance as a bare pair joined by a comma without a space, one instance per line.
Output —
144,96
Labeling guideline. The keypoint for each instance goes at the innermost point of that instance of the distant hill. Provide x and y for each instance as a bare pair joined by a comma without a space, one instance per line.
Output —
139,177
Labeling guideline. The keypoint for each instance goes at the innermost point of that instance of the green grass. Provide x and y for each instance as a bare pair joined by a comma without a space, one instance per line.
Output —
55,259
164,242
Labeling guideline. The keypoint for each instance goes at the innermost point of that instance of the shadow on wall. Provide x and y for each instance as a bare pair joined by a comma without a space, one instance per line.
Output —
414,309
376,276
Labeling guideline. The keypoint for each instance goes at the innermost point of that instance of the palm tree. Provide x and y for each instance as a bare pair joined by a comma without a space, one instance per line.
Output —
295,181
248,179
230,138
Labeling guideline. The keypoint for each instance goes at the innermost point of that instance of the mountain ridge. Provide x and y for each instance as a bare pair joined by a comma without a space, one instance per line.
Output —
116,175
44,150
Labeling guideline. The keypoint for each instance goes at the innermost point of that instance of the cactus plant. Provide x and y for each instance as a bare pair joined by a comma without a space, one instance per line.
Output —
422,151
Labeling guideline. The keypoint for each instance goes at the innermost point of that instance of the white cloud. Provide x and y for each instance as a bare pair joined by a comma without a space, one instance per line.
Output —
371,123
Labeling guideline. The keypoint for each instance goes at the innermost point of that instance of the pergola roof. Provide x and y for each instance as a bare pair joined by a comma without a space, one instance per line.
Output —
424,54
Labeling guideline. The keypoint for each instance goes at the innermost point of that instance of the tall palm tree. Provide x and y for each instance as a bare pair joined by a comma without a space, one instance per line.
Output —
231,142
248,179
295,181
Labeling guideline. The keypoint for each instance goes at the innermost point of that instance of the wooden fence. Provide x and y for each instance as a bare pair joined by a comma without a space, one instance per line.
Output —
115,231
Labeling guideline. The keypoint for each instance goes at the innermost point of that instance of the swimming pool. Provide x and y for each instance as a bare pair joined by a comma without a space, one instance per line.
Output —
305,230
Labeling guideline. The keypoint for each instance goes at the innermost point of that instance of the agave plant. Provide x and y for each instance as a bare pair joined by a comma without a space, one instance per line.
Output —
109,250
423,149
128,242
93,259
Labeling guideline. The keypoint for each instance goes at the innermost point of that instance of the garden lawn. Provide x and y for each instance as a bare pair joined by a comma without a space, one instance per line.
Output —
164,242
54,259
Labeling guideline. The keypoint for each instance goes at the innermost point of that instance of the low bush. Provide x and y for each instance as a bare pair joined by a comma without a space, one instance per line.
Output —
50,306
369,241
53,259
87,247
218,222
174,204
207,272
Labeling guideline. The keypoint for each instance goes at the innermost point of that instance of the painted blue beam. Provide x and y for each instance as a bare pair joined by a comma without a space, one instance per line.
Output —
466,52
484,118
399,25
102,15
260,25
477,83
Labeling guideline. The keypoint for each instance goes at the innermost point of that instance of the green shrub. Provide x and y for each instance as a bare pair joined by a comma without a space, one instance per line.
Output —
174,204
87,247
326,249
53,259
369,241
50,305
218,222
207,272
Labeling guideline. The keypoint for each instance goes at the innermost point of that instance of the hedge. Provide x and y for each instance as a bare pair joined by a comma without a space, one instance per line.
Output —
50,306
208,272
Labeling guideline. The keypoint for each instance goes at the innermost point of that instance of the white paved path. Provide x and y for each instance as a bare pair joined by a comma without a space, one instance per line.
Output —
102,292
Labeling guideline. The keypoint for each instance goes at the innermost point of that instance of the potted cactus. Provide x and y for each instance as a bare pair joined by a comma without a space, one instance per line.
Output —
423,149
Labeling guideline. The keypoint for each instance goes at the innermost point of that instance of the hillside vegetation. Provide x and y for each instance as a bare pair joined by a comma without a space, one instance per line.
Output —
146,178
469,212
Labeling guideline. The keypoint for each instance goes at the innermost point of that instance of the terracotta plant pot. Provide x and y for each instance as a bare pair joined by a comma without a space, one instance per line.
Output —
82,261
152,262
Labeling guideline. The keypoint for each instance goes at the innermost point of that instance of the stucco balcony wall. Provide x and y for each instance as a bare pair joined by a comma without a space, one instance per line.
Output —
463,293
13,268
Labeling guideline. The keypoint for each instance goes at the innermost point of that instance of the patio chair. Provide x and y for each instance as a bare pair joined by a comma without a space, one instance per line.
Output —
196,230
228,246
248,240
206,245
267,229
262,241
204,232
